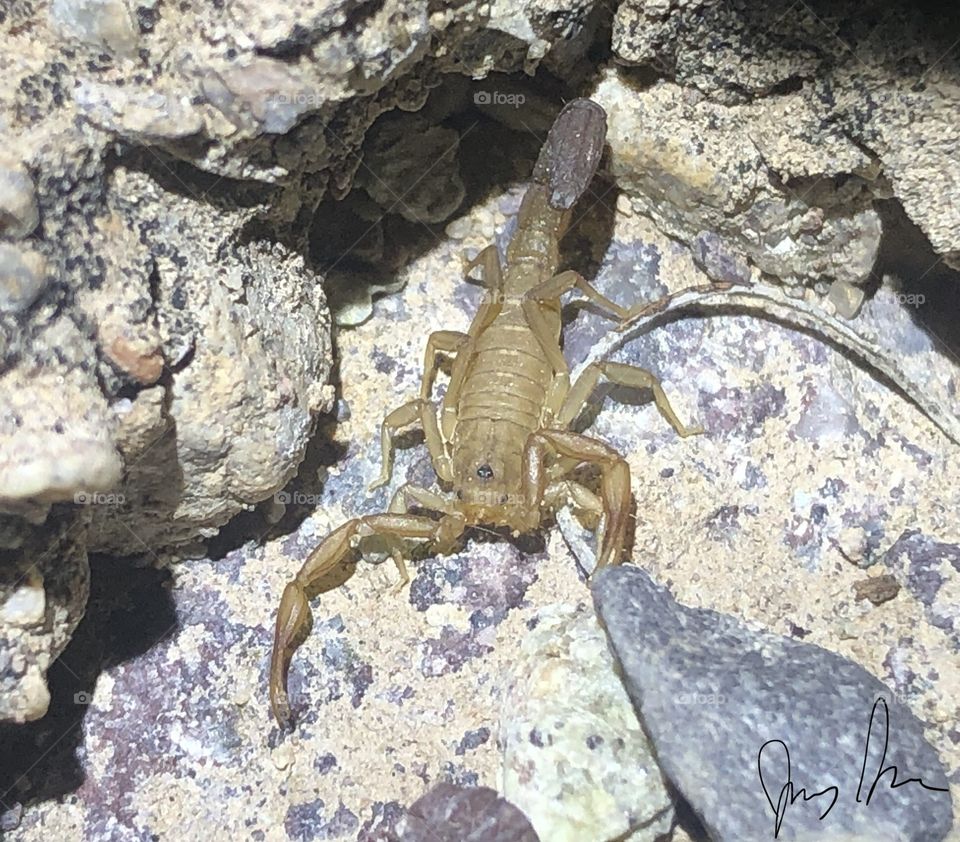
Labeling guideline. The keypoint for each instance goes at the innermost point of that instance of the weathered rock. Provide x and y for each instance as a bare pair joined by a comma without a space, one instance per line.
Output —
794,61
19,213
718,698
449,813
928,569
22,278
43,593
683,163
575,758
102,23
412,169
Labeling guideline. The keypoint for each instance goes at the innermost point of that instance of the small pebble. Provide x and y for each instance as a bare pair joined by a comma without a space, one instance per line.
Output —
19,214
22,277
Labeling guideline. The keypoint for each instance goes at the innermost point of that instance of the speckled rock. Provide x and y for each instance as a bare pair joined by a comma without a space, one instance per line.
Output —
43,593
831,62
717,699
683,162
455,814
19,213
575,758
928,569
236,337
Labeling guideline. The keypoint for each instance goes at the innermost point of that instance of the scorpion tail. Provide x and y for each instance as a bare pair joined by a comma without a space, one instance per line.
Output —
571,153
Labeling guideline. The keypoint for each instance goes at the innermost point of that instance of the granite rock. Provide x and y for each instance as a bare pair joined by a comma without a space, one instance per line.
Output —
575,758
742,720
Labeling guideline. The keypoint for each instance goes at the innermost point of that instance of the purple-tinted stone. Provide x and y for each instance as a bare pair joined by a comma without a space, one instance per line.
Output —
448,813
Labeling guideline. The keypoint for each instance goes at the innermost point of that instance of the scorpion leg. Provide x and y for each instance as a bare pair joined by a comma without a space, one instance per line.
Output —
560,382
294,619
572,492
440,341
554,287
414,410
400,504
620,375
614,482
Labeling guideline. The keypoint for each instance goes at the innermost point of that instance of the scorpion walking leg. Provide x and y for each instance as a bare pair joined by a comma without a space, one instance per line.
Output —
621,375
572,492
440,341
556,286
614,483
417,409
400,504
294,619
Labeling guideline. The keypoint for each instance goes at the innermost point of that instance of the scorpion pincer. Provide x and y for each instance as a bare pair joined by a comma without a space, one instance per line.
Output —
501,441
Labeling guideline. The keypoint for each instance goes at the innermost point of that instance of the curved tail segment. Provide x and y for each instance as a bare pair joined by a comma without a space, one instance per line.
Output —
571,153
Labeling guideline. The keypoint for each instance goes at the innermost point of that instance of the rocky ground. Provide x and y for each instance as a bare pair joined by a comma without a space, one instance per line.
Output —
171,241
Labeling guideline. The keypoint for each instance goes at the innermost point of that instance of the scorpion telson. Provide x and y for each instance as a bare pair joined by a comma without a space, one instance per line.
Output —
502,443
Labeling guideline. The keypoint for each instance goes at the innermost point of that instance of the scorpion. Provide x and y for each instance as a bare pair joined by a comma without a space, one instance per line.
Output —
501,441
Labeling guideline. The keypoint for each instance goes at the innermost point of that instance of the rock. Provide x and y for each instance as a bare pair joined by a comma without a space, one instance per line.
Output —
846,298
449,813
56,437
19,213
843,113
683,163
412,169
718,698
927,568
878,589
104,23
42,599
22,277
575,758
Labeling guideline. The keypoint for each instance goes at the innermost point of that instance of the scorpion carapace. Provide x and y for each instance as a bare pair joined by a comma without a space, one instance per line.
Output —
500,444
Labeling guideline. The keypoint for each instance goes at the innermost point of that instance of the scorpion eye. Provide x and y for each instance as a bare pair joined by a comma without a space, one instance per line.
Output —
485,472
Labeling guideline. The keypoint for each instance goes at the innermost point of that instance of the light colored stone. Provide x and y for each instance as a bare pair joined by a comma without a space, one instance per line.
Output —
22,277
575,758
25,606
19,213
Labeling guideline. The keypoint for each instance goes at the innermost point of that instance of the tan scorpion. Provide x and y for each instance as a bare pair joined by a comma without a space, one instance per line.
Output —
502,442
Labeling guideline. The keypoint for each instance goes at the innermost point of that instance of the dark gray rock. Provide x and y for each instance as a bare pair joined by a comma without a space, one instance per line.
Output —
715,697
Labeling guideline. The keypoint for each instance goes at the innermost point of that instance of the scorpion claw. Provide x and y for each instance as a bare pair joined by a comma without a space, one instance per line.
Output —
293,624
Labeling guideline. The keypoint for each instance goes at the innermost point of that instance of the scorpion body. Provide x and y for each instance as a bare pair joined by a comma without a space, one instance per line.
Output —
502,442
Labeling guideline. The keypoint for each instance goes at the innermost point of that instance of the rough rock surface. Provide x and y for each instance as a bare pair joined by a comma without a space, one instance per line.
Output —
43,594
807,461
840,84
246,115
575,758
743,720
456,814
